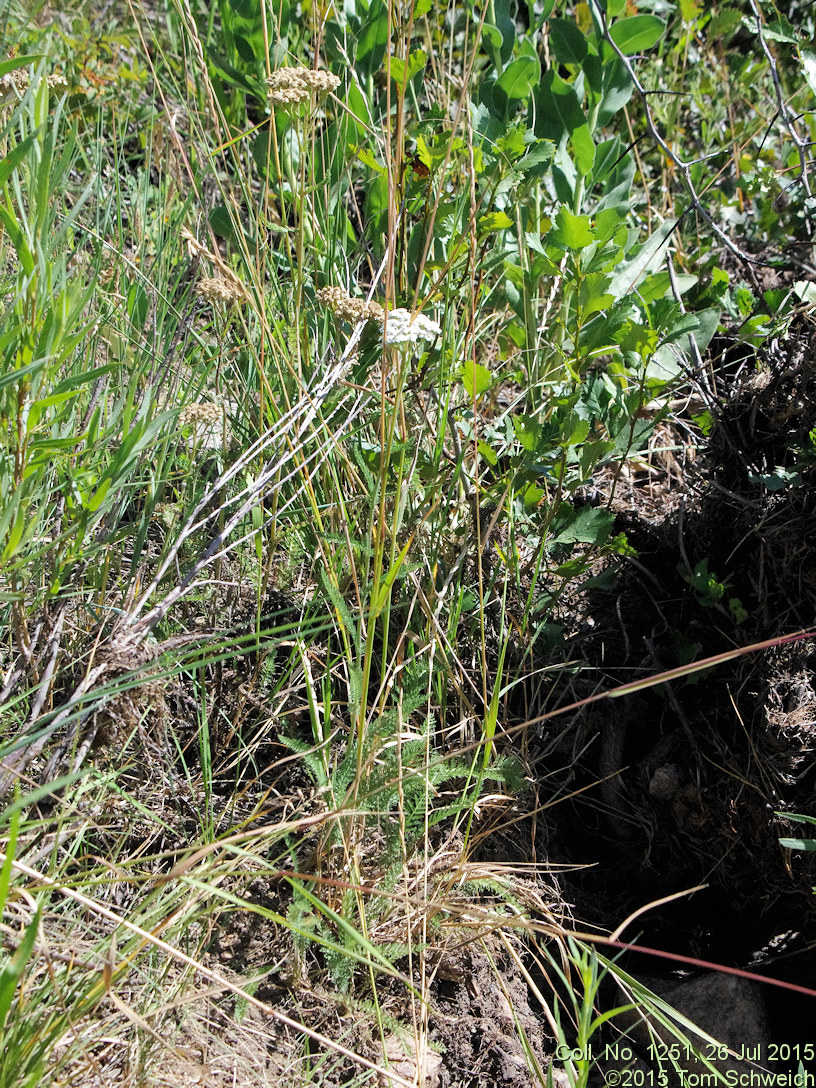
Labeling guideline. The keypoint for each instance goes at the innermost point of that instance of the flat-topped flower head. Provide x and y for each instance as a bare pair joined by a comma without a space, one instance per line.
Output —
291,86
347,308
200,412
220,289
13,85
403,327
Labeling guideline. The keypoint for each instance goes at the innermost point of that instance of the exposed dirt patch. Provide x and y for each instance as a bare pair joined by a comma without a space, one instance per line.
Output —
696,770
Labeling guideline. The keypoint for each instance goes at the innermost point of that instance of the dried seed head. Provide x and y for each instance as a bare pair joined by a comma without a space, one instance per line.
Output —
200,412
347,308
221,289
290,86
403,327
14,84
288,96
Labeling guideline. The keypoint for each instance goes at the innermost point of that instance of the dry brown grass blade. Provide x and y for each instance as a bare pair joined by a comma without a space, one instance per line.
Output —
211,976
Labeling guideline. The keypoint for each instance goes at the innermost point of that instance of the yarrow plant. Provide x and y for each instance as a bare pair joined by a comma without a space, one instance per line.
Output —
13,85
275,595
291,86
200,412
403,327
350,309
220,289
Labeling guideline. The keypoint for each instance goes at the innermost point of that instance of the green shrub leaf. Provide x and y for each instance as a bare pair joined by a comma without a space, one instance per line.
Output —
637,33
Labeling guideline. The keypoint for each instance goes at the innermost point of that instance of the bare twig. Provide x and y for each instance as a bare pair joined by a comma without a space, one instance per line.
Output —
13,767
53,652
802,145
20,669
683,166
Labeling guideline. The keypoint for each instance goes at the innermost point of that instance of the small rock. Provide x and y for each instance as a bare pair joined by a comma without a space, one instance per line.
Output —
402,1060
665,782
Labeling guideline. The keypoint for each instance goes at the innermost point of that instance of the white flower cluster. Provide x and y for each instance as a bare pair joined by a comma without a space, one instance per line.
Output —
403,327
14,84
290,86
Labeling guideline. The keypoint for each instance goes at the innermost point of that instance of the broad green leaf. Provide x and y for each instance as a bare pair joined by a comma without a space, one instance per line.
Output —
221,223
532,495
593,295
534,242
403,73
568,43
475,378
608,221
487,453
232,75
518,79
592,68
808,59
798,844
571,231
651,253
637,33
583,149
690,10
514,142
527,432
576,431
494,221
492,40
586,525
358,108
367,158
535,163
245,49
640,340
505,21
373,39
557,108
616,90
780,30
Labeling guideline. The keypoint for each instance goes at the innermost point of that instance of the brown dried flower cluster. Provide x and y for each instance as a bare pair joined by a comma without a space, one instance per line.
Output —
220,289
200,412
291,86
14,84
350,309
